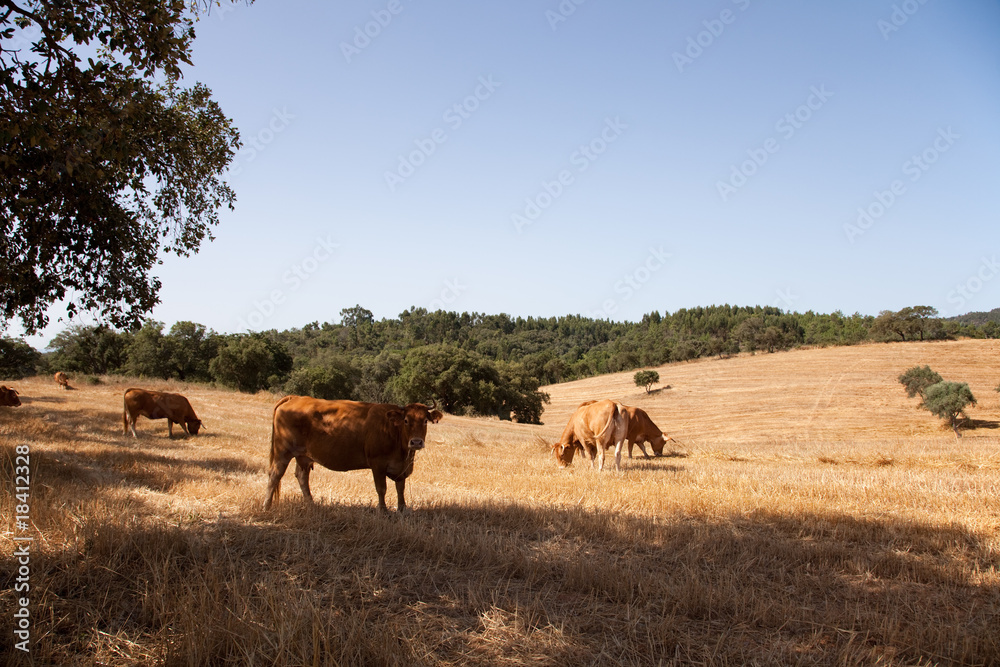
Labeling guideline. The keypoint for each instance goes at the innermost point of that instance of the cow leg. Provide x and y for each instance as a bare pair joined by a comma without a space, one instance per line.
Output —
278,466
130,424
600,462
170,428
303,465
618,455
642,448
380,486
400,487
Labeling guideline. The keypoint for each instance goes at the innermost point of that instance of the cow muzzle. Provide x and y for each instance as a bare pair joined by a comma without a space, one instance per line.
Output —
416,443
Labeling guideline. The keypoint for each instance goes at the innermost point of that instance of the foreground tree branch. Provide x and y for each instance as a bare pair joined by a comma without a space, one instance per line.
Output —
101,167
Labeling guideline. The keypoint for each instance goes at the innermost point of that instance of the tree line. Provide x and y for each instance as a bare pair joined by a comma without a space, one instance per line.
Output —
469,362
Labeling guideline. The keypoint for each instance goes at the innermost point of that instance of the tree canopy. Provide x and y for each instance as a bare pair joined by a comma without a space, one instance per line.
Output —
948,401
106,160
646,379
917,379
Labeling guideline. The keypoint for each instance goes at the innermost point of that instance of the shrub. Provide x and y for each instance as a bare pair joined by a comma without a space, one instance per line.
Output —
917,379
646,379
948,401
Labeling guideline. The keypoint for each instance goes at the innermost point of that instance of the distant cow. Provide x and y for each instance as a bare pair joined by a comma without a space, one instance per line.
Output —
347,435
641,429
159,405
8,396
62,380
593,428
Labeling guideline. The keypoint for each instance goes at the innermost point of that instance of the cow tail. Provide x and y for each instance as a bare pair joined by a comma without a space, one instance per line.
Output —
624,421
274,417
610,424
125,412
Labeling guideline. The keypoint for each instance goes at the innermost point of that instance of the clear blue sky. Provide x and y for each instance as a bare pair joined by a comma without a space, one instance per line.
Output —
611,160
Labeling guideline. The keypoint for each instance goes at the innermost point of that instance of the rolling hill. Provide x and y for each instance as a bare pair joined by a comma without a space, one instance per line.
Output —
811,515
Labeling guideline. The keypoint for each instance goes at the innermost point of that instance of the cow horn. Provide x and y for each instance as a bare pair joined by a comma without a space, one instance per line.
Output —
433,405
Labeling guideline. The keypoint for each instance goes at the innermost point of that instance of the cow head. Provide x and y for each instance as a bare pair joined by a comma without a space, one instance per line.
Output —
659,442
564,453
193,426
412,423
8,396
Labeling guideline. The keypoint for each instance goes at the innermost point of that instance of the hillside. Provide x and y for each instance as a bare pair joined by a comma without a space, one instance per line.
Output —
806,395
978,318
812,515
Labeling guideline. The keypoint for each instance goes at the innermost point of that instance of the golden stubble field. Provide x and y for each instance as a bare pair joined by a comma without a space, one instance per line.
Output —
812,515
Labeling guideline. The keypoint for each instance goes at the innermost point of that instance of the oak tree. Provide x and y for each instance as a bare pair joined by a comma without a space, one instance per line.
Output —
105,159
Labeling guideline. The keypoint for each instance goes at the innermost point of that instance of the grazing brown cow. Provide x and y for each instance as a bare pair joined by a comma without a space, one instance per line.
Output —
641,429
594,427
346,435
62,380
8,396
159,405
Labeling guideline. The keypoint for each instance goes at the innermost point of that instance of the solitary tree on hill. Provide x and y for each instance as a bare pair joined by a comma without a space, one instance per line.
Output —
917,379
646,379
948,400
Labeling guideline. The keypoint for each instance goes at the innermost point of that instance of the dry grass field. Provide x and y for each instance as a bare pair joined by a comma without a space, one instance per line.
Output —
812,515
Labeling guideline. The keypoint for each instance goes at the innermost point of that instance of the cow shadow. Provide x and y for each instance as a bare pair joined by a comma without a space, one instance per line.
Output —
508,580
651,465
465,571
27,400
141,469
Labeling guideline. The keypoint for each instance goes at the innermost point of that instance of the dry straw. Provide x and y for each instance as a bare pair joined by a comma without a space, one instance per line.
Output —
814,516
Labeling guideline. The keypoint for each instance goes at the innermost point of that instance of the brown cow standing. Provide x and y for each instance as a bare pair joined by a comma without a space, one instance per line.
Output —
641,429
159,405
593,428
346,435
62,380
8,396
